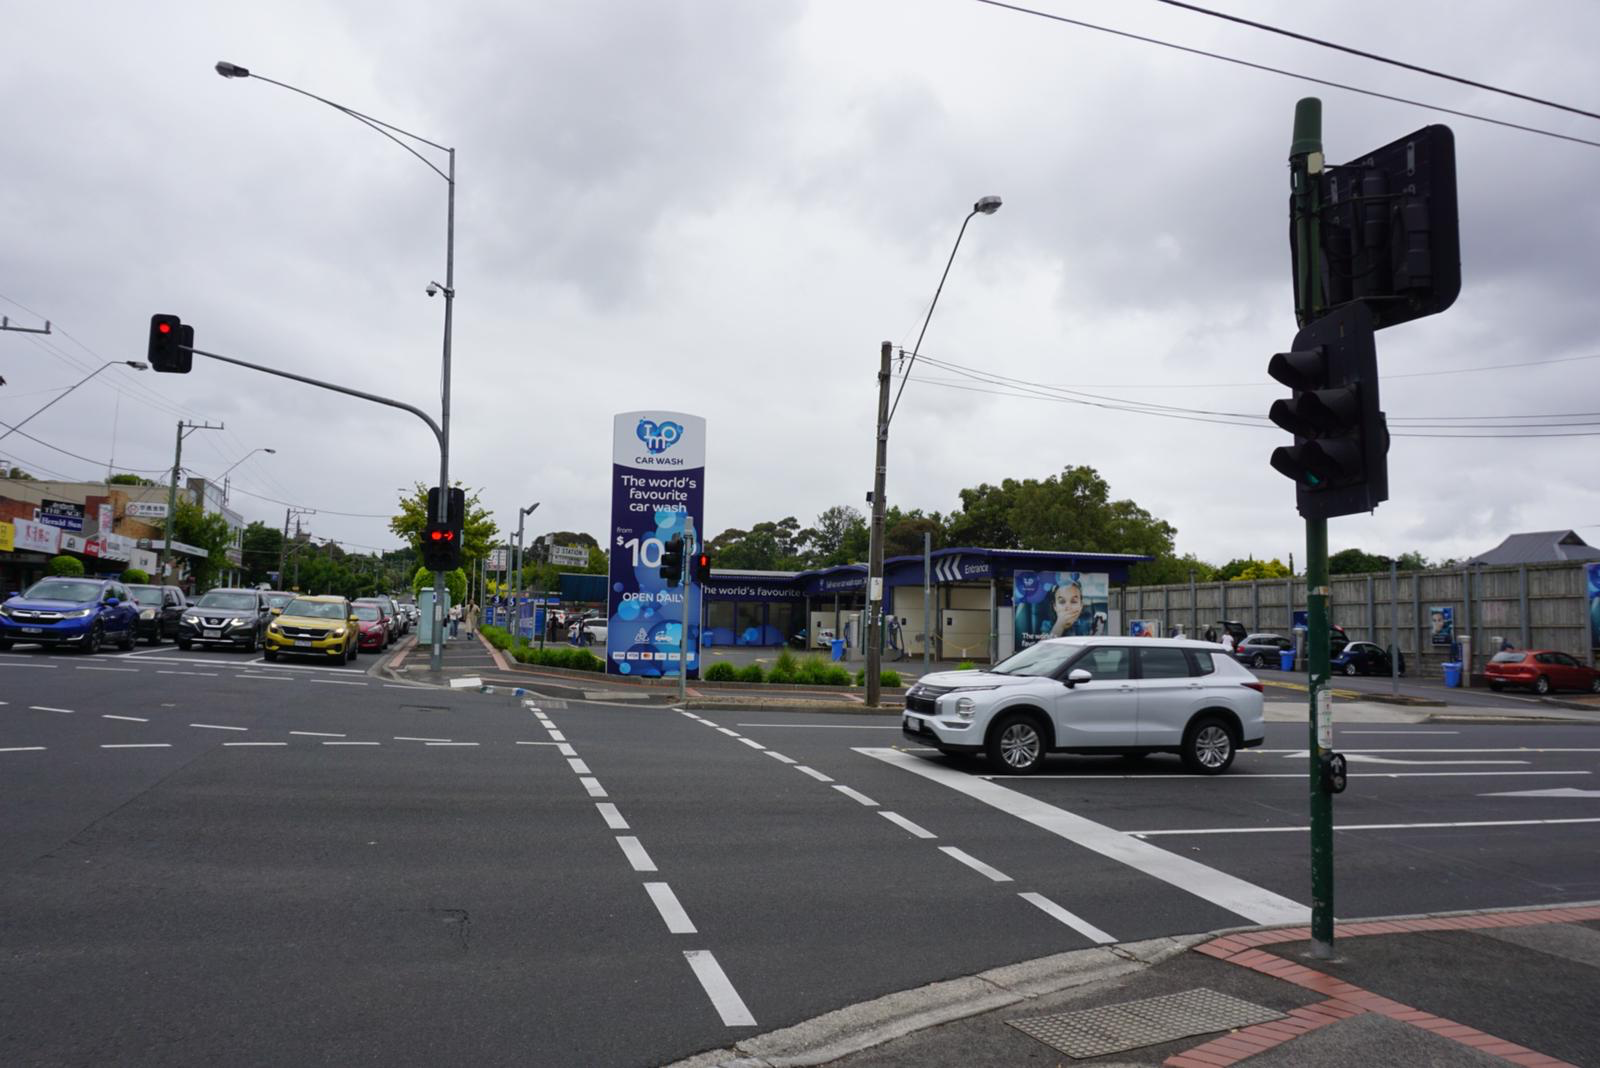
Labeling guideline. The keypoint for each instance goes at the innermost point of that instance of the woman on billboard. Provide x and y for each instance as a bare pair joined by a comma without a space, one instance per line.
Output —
1070,617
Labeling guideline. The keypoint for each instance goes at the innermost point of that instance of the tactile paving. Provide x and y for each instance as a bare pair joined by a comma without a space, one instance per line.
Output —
1147,1022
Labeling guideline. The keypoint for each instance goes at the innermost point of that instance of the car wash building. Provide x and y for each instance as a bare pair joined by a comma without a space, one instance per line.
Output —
983,604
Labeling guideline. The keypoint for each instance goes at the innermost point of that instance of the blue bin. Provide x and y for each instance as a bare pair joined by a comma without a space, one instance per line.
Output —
838,648
1452,673
1286,659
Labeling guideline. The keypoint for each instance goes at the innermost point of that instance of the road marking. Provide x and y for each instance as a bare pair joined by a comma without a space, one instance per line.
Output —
593,786
829,726
403,738
269,678
780,757
237,745
337,682
724,998
855,795
539,743
130,719
813,772
434,745
975,864
707,722
555,735
1524,749
1559,791
613,818
905,824
1054,911
196,674
577,765
140,745
729,733
316,734
565,749
1252,776
352,743
400,686
47,708
753,744
471,681
1364,826
1349,732
635,853
217,727
666,902
24,749
1254,903
13,663
86,667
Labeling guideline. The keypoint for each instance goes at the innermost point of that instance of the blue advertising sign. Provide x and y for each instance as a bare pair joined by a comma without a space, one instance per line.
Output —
658,462
1593,571
1054,604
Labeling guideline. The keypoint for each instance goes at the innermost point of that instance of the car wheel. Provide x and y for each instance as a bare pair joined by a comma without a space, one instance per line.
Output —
95,638
1541,685
1350,668
1594,683
1208,746
1258,661
185,646
1016,744
270,655
1497,686
128,639
5,645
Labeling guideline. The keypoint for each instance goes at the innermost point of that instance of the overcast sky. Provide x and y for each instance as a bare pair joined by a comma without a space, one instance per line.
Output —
724,206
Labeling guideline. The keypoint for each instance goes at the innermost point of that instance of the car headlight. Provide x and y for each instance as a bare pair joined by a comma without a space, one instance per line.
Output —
5,610
192,619
82,613
147,613
272,628
337,632
965,707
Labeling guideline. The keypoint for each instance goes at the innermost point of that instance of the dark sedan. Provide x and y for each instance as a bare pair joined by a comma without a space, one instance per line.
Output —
160,608
1261,650
1364,658
226,617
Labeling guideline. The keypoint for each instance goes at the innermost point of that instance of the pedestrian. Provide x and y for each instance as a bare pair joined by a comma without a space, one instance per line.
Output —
1211,634
455,619
1227,642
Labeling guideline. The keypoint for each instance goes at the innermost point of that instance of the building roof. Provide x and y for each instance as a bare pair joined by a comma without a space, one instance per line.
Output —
1539,547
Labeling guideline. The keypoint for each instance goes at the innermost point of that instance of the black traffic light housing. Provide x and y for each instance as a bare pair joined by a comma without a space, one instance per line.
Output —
702,567
1339,459
442,539
170,345
1391,234
672,561
1334,773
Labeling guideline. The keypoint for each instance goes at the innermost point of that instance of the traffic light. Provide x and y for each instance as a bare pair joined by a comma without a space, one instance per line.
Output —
441,538
672,561
456,512
702,568
1339,459
167,334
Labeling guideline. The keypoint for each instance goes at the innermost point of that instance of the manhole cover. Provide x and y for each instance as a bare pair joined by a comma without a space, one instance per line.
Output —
1147,1022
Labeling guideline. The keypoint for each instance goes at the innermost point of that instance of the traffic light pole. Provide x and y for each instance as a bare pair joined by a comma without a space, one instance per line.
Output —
1305,164
689,551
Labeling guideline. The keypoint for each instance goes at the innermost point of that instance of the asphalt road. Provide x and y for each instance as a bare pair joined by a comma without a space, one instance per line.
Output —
207,859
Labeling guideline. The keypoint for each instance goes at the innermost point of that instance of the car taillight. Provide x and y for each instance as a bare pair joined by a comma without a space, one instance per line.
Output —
1256,686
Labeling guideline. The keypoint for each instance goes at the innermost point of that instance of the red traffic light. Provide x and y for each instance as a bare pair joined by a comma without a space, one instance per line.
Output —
164,328
436,534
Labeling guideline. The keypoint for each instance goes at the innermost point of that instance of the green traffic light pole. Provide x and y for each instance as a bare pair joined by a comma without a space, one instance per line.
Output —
1305,164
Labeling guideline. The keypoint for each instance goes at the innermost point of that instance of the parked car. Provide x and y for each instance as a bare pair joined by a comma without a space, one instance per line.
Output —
224,616
1233,627
1093,695
160,608
80,612
391,616
1363,658
321,627
593,632
1543,670
372,628
1261,650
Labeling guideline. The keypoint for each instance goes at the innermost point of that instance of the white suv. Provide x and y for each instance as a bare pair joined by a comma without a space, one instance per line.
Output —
1093,695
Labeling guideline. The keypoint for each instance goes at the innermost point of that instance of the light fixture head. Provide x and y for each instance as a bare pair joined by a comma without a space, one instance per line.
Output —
137,365
232,70
987,205
272,451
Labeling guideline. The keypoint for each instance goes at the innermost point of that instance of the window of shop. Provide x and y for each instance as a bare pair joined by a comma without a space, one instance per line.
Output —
783,619
719,622
750,620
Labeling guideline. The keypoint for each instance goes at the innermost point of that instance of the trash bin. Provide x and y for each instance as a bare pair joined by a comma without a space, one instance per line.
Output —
1452,673
1286,659
838,648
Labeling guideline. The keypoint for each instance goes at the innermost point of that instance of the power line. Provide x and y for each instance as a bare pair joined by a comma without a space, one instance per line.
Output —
319,511
1374,56
1290,74
75,456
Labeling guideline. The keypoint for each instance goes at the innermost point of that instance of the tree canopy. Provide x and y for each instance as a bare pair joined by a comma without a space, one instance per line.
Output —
477,536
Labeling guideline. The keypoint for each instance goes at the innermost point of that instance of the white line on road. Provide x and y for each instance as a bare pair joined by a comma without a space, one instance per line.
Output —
724,998
243,745
906,825
86,667
16,663
613,818
815,774
666,902
1254,903
196,674
140,745
593,786
975,864
729,733
217,727
338,682
1360,827
1559,791
577,765
433,745
753,744
352,743
400,686
1054,911
1523,749
1252,776
635,853
780,757
555,735
47,708
855,795
269,678
403,738
130,719
566,749
539,743
1350,732
829,726
325,734
24,749
471,681
707,722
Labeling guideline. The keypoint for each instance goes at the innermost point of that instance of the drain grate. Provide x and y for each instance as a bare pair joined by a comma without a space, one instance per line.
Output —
1147,1022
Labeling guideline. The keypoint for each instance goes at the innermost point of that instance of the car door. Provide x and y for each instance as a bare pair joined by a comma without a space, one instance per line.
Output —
1104,711
1169,694
125,616
1568,674
171,610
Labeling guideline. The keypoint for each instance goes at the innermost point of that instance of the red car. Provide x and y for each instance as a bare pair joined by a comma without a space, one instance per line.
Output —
374,626
1542,669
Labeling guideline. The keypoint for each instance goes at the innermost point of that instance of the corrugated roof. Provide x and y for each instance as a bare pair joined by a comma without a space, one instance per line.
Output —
1538,547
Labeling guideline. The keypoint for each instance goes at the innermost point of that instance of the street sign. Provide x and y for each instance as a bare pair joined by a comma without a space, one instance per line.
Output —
64,514
147,509
569,556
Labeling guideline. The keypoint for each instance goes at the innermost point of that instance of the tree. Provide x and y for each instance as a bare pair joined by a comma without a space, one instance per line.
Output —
1261,569
1413,561
19,474
1171,571
66,566
125,479
476,538
837,531
904,536
195,526
764,547
1356,562
455,581
261,547
1072,510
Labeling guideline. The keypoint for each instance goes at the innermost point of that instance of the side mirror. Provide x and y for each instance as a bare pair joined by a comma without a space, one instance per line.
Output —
355,619
111,602
1077,675
276,611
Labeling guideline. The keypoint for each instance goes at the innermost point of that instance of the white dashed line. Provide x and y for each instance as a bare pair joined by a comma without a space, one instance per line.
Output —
594,787
813,772
352,743
140,745
779,756
1054,911
975,864
24,749
635,853
671,911
245,745
566,750
402,738
708,723
197,674
906,825
316,734
613,818
729,733
268,678
856,795
577,765
724,998
86,667
557,736
47,708
217,727
753,744
130,719
337,682
552,744
433,745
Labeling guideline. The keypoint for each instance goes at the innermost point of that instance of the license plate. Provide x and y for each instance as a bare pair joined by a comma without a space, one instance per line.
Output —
913,725
33,630
303,643
213,634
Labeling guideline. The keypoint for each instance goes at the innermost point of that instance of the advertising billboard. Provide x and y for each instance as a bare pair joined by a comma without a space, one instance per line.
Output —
1054,604
65,515
658,462
1442,624
1144,628
1594,605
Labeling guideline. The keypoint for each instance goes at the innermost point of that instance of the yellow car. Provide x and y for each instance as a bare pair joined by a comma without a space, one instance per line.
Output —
321,627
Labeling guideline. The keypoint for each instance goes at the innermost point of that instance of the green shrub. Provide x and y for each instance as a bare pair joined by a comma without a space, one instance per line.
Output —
786,669
136,574
836,676
889,678
751,673
69,566
497,636
966,665
555,656
721,671
813,672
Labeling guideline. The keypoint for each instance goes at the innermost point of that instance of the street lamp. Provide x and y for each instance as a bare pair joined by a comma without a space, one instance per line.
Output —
223,478
984,206
137,365
517,559
232,70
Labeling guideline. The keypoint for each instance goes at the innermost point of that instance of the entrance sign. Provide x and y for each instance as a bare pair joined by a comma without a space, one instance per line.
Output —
658,464
569,556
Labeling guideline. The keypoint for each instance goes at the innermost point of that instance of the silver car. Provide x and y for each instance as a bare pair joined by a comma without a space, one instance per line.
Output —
1128,696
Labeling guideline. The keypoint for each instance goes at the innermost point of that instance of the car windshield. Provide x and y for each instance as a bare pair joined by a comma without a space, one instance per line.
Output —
1508,658
315,609
233,602
146,595
54,589
278,600
1045,658
368,612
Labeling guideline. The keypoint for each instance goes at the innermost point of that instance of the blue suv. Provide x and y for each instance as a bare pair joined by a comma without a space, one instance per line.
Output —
79,612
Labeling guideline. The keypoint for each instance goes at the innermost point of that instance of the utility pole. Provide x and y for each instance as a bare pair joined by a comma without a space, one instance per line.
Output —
283,546
875,550
1305,167
185,428
927,600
